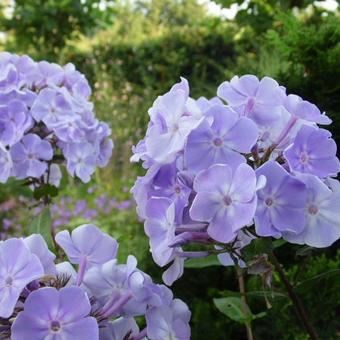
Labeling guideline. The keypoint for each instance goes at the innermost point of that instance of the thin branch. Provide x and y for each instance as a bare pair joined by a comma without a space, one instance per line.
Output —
295,299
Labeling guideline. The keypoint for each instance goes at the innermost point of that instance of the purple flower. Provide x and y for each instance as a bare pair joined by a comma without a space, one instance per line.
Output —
322,227
14,121
37,245
160,227
171,183
29,155
169,322
280,203
48,74
304,110
226,199
118,288
171,124
119,329
51,107
5,164
19,267
87,242
220,138
314,152
52,314
81,160
256,99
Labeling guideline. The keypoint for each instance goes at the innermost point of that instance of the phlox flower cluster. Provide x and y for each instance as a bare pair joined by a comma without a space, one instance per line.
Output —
40,299
251,162
46,119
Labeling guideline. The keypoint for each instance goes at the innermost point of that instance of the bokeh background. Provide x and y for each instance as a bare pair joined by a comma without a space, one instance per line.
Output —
133,50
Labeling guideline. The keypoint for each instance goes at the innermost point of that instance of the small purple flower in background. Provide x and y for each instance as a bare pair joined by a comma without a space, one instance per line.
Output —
19,267
322,215
226,199
280,202
314,152
30,155
220,141
52,314
253,98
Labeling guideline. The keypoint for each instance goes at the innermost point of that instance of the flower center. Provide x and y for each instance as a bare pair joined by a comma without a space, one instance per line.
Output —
313,209
55,326
9,281
304,158
269,202
30,156
177,190
227,200
218,142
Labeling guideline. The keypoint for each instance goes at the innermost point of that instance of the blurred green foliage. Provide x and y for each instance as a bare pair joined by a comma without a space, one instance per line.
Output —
134,51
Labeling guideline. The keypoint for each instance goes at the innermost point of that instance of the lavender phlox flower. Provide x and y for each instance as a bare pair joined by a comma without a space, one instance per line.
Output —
280,203
119,329
87,246
322,227
81,160
171,124
253,98
37,245
226,199
56,314
118,288
313,151
221,137
169,322
19,267
30,155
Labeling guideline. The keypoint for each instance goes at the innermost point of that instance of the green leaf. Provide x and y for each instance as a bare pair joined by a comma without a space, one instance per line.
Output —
202,262
45,190
42,224
234,308
278,243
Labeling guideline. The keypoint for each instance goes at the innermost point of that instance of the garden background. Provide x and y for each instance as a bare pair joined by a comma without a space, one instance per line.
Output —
132,51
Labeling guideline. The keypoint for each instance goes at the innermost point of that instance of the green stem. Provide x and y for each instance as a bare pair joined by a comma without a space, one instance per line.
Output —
295,299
